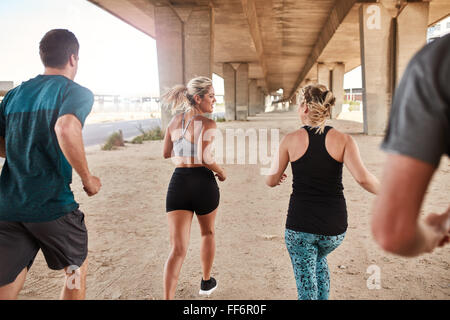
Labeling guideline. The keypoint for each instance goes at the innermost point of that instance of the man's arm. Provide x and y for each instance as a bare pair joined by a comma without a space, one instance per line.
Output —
395,221
68,131
2,148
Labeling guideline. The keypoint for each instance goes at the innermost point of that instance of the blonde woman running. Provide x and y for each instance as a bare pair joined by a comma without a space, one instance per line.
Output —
317,216
193,187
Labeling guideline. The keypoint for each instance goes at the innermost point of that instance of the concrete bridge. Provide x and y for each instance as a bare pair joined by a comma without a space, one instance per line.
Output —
261,46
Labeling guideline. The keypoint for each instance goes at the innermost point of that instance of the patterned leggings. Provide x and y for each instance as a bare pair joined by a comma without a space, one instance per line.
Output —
308,256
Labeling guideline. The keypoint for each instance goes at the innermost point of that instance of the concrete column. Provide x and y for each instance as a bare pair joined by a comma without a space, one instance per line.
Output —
412,24
261,101
267,102
236,85
388,38
293,104
229,78
337,86
242,91
253,101
184,46
376,37
199,43
323,74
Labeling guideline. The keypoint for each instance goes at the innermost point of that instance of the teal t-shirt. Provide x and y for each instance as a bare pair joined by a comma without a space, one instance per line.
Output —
36,176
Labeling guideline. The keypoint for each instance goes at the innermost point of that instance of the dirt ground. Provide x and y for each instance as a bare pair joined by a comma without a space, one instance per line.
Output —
128,233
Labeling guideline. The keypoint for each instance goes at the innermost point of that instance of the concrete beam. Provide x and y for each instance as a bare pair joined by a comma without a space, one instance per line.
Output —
337,15
137,13
249,9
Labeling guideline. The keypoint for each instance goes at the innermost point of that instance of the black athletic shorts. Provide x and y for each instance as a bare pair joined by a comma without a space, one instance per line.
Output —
194,189
64,243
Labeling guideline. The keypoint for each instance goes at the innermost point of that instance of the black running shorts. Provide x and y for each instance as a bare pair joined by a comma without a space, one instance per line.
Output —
194,189
64,243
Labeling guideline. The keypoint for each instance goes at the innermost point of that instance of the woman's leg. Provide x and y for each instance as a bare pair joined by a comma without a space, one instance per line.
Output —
208,243
303,255
180,228
326,245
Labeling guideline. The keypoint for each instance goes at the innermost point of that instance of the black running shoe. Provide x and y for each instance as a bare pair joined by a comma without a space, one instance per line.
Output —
207,287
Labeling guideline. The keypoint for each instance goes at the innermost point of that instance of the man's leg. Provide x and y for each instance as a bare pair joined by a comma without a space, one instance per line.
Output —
64,243
18,250
11,291
75,283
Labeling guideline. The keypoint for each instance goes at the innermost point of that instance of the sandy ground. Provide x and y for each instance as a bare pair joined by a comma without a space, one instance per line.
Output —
129,242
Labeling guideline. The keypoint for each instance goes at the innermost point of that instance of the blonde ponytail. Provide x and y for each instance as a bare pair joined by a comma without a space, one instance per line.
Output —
181,97
319,101
175,98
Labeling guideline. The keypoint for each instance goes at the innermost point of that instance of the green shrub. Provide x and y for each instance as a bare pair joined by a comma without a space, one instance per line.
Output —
114,140
220,119
138,140
152,134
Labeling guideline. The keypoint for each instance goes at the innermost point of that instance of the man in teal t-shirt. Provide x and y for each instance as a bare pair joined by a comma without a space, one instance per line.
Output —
40,137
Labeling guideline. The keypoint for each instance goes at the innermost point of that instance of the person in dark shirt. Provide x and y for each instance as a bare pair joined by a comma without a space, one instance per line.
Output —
40,137
418,136
317,216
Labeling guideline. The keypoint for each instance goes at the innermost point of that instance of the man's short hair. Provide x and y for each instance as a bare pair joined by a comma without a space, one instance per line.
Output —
57,46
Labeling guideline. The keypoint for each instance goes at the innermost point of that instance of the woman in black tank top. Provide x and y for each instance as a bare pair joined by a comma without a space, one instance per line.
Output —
317,215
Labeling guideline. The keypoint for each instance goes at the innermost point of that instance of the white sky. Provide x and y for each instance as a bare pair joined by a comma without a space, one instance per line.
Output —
115,58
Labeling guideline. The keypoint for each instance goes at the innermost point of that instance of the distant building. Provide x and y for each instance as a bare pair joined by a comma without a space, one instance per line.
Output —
354,94
439,29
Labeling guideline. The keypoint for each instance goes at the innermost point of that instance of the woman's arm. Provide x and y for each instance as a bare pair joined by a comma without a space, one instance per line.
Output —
205,144
168,144
280,161
354,164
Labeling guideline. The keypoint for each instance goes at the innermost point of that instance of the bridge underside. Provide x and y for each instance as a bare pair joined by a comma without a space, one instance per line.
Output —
261,46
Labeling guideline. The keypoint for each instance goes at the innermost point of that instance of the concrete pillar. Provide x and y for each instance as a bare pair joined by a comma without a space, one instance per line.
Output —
261,101
412,24
229,78
267,102
388,40
293,104
253,101
242,91
376,39
236,85
184,42
337,87
323,74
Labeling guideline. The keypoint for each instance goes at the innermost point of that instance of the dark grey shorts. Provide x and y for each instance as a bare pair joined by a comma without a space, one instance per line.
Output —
64,243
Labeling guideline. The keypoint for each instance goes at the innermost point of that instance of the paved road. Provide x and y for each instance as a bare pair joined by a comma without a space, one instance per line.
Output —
94,134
